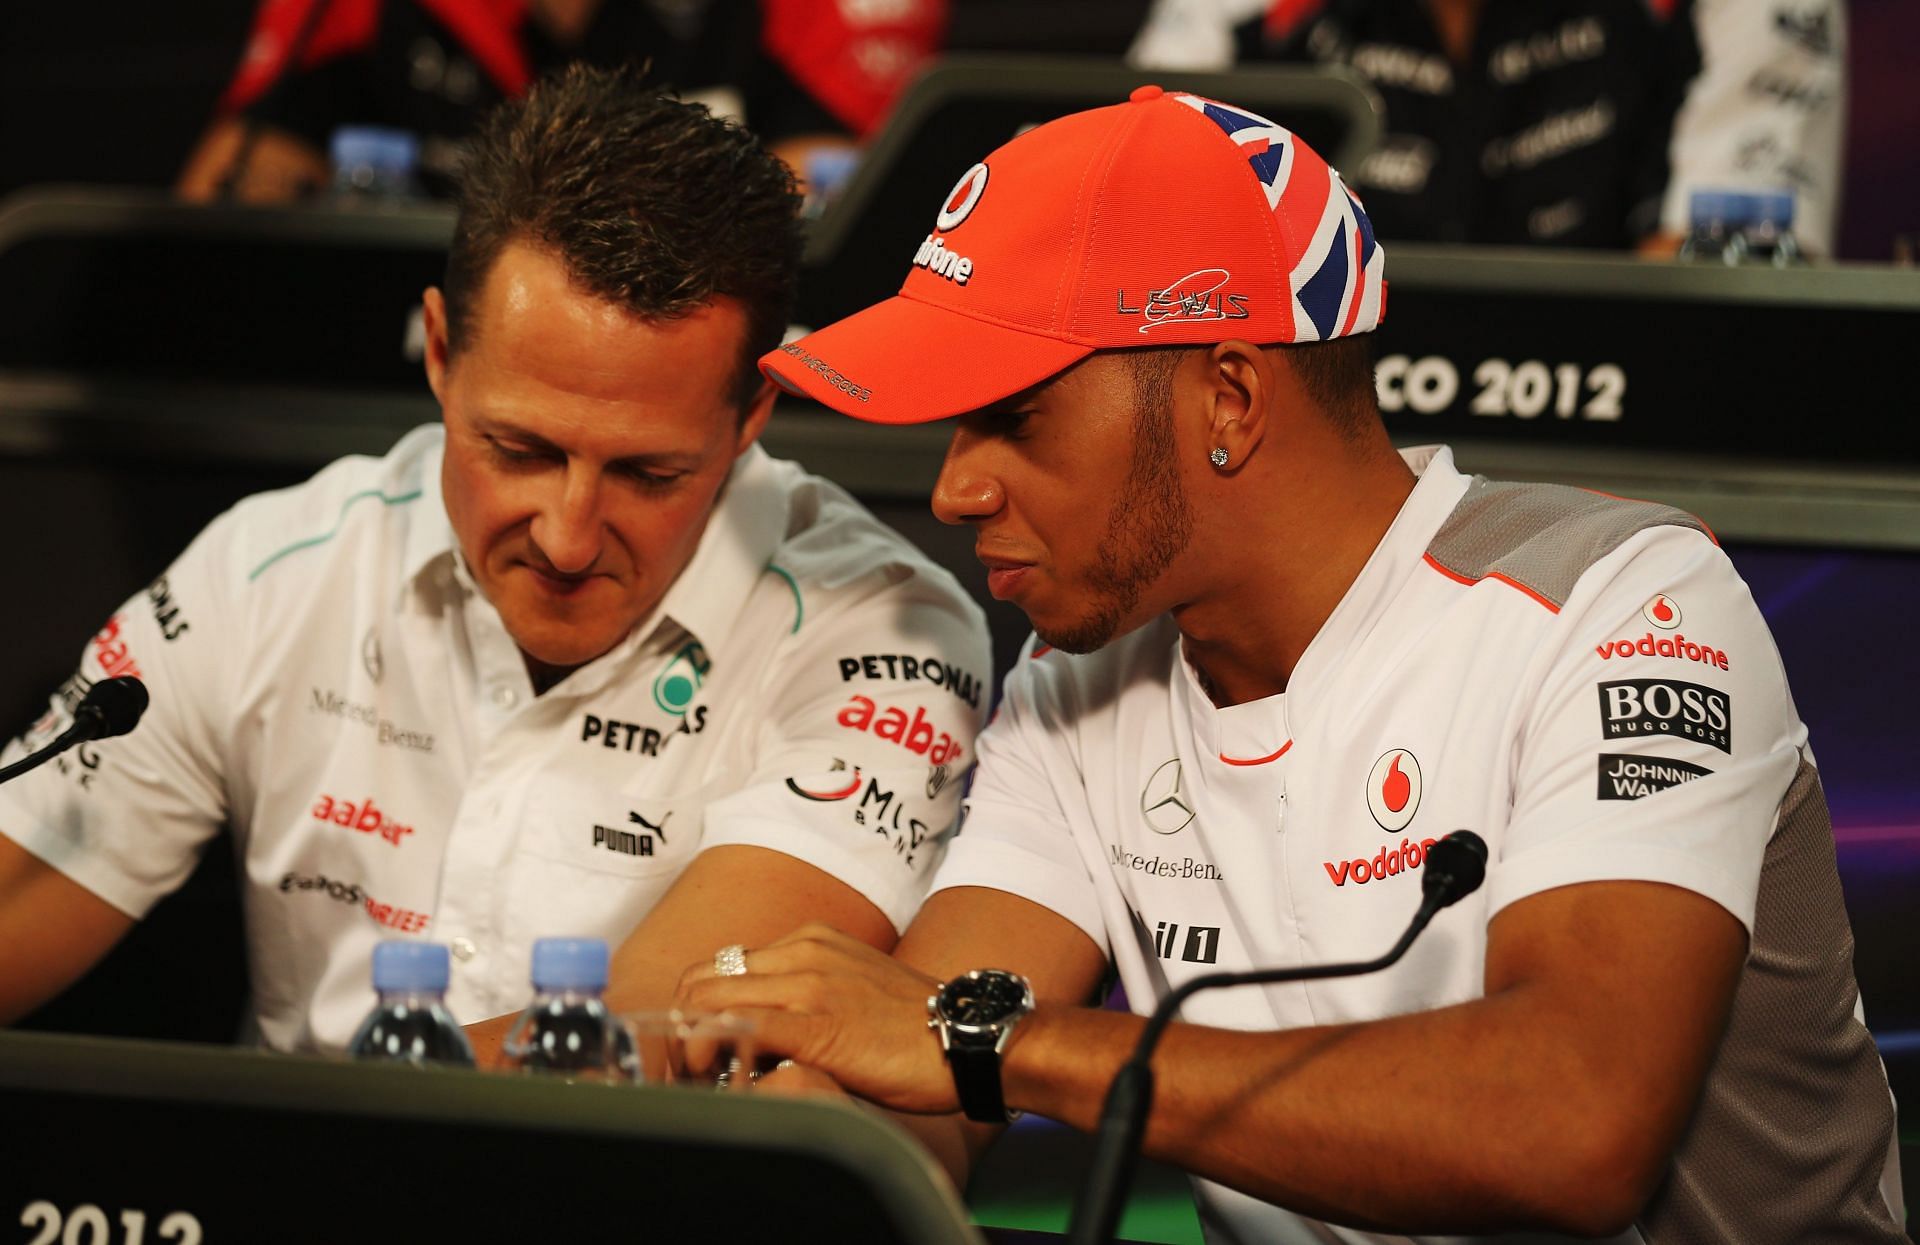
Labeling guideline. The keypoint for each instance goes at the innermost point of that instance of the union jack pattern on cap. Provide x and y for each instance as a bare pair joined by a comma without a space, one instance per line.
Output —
1336,280
1168,220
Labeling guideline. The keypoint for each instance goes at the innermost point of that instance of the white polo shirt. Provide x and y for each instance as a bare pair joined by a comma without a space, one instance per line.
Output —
1582,681
326,679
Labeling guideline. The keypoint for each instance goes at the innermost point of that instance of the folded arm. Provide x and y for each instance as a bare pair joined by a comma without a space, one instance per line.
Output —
52,930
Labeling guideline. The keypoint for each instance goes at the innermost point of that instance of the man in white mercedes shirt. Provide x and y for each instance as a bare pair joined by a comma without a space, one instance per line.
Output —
1275,661
582,661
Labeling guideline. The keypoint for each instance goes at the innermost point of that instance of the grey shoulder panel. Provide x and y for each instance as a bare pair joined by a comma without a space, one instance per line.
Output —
1542,537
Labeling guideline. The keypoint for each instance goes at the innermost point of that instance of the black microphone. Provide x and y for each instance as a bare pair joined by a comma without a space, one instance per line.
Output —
110,707
1454,868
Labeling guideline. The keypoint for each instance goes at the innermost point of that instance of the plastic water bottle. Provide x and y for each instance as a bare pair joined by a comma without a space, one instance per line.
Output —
372,164
567,1030
1769,230
410,1023
1717,232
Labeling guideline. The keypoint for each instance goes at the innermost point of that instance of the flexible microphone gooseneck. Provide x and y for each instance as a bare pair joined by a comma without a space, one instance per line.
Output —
110,707
1454,869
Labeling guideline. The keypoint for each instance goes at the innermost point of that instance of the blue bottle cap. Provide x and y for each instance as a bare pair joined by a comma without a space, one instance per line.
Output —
1724,207
570,964
1775,206
393,153
410,966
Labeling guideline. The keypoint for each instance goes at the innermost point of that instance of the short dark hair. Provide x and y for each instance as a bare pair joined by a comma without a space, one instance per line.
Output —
1337,375
652,204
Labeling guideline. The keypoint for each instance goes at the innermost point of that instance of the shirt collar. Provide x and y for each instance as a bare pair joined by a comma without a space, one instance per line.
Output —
747,524
1435,494
430,543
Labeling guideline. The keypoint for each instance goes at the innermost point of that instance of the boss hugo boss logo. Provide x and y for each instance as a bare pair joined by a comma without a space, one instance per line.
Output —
1631,777
1638,707
1393,790
1163,802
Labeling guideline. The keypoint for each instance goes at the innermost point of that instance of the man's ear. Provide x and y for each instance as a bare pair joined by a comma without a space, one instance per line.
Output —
434,311
1237,389
754,422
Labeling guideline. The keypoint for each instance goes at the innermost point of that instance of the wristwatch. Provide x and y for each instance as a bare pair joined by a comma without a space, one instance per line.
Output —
975,1015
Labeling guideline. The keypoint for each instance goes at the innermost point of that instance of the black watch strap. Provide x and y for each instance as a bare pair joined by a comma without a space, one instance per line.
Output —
976,1079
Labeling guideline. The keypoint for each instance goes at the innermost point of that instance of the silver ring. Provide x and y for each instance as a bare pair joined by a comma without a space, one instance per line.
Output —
784,1064
730,961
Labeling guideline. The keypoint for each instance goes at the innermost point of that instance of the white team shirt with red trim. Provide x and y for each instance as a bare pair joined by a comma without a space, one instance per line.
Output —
1593,711
326,679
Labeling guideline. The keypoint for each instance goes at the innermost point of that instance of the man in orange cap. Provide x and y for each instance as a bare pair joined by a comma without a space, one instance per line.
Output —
1275,661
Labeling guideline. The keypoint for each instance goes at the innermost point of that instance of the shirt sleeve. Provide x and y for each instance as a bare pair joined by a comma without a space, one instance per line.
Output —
870,731
1767,112
1663,737
1018,831
127,817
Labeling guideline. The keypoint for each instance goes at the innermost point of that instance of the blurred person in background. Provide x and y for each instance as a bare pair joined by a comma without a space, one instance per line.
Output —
1579,123
805,75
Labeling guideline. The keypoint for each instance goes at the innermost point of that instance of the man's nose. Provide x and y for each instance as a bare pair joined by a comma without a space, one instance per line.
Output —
568,527
967,490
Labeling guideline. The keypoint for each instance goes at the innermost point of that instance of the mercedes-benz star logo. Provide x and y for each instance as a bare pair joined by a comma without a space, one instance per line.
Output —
1162,802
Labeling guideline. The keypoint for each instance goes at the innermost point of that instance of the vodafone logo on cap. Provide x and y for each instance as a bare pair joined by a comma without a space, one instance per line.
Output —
1663,612
1393,790
963,198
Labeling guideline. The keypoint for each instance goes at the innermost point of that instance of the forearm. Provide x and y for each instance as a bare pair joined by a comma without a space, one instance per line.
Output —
1459,1120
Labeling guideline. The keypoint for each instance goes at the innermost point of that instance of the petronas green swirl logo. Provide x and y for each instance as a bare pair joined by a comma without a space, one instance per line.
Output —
680,682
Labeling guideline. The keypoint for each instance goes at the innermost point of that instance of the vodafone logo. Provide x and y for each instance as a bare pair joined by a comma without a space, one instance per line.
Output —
963,198
1393,790
1663,612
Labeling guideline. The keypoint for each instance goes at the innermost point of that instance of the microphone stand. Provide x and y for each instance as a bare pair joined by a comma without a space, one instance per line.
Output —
1123,1120
110,708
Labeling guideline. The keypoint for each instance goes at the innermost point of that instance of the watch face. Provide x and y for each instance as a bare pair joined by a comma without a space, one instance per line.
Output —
983,998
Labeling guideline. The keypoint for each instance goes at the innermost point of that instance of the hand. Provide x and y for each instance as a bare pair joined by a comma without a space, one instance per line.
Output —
797,1080
840,1008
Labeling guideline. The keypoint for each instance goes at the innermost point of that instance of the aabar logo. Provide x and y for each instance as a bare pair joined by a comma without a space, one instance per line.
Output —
1663,612
1393,790
1163,803
962,199
112,653
916,734
365,817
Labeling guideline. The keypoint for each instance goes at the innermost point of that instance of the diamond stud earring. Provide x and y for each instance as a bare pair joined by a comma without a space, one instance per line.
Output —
1219,456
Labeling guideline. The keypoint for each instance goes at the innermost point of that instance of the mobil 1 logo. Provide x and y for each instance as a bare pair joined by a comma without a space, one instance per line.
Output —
1633,708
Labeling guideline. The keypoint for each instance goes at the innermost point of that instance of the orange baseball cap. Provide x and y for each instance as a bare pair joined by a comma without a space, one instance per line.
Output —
1167,220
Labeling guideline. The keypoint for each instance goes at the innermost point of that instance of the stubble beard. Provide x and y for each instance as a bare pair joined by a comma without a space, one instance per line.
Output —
1147,528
